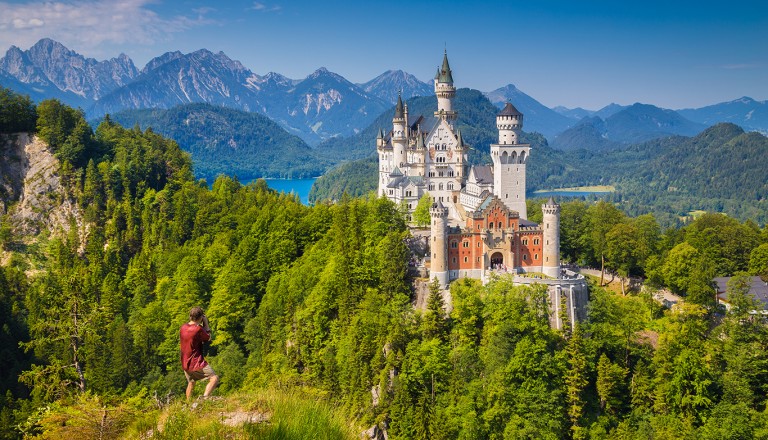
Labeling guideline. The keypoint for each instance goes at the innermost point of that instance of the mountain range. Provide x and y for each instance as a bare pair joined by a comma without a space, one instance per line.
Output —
323,105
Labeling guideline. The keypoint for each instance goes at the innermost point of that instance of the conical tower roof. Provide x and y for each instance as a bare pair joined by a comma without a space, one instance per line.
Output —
399,111
509,110
444,75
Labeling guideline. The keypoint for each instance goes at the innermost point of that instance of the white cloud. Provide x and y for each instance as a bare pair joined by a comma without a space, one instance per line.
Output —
89,24
258,6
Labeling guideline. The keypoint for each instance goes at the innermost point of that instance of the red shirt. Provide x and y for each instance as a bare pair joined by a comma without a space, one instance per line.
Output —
192,338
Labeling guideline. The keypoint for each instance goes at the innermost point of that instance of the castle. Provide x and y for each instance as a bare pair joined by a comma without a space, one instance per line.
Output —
479,224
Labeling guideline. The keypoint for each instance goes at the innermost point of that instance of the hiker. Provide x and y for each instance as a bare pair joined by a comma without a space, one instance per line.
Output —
192,335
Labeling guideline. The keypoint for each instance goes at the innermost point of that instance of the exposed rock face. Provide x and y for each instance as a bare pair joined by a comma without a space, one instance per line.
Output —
31,189
49,61
392,83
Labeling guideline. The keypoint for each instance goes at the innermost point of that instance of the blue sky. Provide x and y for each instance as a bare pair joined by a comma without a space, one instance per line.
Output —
674,54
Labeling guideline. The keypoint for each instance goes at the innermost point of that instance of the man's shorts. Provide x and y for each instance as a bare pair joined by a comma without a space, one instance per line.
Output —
205,373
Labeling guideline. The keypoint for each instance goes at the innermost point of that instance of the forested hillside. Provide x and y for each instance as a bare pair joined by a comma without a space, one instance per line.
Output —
717,170
228,141
317,302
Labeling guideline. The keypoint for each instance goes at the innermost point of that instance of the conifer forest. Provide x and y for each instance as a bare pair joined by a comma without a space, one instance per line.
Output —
316,304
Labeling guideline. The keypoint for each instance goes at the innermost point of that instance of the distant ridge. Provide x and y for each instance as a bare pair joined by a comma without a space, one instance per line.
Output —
389,84
634,124
227,141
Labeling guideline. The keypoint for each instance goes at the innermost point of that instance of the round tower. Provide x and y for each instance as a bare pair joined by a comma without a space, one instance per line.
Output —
551,246
399,140
509,122
445,91
438,267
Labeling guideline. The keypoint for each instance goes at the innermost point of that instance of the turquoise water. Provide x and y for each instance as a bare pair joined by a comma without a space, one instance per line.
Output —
298,186
545,194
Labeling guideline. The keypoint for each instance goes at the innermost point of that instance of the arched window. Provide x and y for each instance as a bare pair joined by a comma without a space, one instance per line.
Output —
454,244
440,187
431,186
535,256
522,157
513,157
535,241
490,225
504,157
450,187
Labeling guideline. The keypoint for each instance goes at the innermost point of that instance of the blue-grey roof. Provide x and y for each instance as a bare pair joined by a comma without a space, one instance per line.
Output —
483,173
758,289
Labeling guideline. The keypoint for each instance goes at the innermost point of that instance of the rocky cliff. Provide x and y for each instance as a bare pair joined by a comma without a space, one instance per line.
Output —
32,194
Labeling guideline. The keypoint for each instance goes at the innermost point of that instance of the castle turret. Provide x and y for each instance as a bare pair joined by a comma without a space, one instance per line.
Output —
399,140
551,246
438,266
445,91
509,160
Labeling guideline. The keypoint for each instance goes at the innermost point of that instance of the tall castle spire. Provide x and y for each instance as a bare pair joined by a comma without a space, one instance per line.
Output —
445,91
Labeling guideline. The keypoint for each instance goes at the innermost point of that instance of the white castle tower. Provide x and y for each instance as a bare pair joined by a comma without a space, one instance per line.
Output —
399,136
438,267
509,159
551,236
445,92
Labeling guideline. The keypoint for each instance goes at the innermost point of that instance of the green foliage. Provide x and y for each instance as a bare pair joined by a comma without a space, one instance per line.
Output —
319,298
421,215
17,112
356,178
227,141
66,131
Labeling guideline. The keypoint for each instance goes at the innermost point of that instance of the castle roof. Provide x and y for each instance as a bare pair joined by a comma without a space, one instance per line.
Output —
399,107
509,110
482,173
396,172
444,73
438,204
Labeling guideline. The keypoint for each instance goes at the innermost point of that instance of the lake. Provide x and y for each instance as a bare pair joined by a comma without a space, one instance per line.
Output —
299,186
545,194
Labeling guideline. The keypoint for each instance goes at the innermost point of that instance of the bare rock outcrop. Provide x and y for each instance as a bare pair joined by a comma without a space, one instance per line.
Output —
31,189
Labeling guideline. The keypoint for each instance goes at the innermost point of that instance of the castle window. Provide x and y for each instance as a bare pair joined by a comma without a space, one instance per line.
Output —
466,259
390,192
535,256
431,186
450,173
465,244
454,244
525,242
440,187
478,244
535,241
525,257
454,260
408,194
450,187
478,259
490,225
431,174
